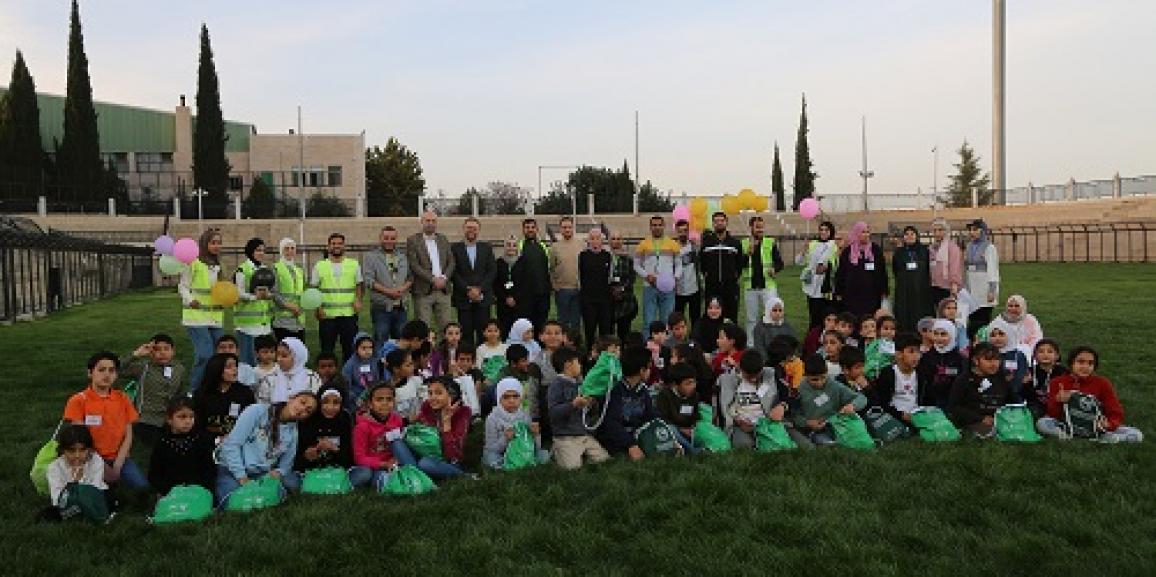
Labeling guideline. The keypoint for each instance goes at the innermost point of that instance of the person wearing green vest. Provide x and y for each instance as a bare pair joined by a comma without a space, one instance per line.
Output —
339,280
761,261
201,316
251,314
287,319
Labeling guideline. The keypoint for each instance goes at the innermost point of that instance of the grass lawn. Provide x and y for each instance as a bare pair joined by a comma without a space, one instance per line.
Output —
971,508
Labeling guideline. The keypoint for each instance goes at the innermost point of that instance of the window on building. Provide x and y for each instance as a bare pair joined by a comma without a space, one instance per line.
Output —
267,178
236,182
119,159
334,176
154,162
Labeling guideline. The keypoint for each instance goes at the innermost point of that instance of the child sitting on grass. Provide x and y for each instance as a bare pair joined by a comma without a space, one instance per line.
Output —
362,369
184,453
880,353
629,406
400,368
263,443
325,439
678,404
900,387
1015,363
518,366
493,345
246,373
941,366
76,462
1083,379
773,324
159,379
500,425
469,378
220,398
377,439
572,442
1046,365
750,394
846,326
729,347
833,343
821,397
445,411
979,393
109,416
291,376
265,348
854,376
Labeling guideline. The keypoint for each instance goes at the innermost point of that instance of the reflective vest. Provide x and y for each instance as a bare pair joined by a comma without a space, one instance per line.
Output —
252,313
337,294
766,254
290,285
541,243
201,288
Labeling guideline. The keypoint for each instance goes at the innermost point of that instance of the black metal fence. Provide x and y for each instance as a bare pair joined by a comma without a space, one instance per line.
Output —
44,272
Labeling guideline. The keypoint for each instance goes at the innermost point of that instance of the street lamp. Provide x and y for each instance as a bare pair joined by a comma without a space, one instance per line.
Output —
200,194
865,174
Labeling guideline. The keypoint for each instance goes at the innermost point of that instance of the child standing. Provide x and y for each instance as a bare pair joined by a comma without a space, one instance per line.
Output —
880,352
184,454
942,366
291,376
159,379
444,410
753,393
220,398
572,442
76,462
109,415
500,424
377,439
1083,379
361,370
1046,365
264,442
325,439
678,404
978,394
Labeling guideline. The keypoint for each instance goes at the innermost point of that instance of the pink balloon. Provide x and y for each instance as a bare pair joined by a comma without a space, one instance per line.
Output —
809,208
681,212
664,282
186,250
164,245
695,236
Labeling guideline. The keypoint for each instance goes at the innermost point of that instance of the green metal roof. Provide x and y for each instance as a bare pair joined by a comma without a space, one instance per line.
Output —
126,128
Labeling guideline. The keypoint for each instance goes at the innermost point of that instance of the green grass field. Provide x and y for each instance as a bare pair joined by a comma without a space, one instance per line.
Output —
971,508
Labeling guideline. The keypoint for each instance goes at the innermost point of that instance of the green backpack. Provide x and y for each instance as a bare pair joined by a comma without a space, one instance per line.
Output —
408,480
44,457
256,494
425,440
183,503
707,436
656,438
520,452
492,368
851,432
326,481
84,502
884,427
602,376
772,436
1082,415
1014,423
933,425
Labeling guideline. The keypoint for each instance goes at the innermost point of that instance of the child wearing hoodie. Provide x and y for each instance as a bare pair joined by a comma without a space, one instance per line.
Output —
361,370
291,376
941,366
1083,379
500,424
629,406
378,447
325,439
1015,363
821,397
773,324
751,393
978,394
572,442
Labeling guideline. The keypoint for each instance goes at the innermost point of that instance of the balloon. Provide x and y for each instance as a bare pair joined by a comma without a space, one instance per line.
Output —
664,282
262,277
699,207
164,244
697,223
759,203
712,206
310,299
809,208
186,250
681,212
224,293
746,198
731,205
169,265
695,236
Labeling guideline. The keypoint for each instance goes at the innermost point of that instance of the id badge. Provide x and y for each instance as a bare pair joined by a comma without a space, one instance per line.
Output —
234,409
168,372
686,410
93,420
870,266
912,266
365,369
509,285
1011,365
821,400
951,371
972,268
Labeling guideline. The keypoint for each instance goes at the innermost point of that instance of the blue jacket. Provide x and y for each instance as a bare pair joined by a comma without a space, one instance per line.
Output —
360,375
628,409
246,452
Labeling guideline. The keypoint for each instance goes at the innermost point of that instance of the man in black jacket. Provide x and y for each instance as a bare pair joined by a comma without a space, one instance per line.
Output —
474,268
533,287
721,259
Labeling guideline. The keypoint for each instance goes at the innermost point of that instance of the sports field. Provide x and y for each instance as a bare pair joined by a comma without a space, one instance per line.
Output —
971,508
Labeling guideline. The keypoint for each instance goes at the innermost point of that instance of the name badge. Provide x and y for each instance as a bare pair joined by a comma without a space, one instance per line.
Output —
335,440
168,372
951,371
1011,365
984,385
234,409
509,285
93,420
365,368
821,400
869,266
616,279
686,410
972,268
763,390
658,362
912,265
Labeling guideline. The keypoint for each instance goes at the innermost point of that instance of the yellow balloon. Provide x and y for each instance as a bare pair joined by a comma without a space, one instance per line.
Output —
747,199
698,207
697,222
759,203
731,205
225,293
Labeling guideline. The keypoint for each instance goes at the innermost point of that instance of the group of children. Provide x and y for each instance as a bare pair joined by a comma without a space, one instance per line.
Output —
280,419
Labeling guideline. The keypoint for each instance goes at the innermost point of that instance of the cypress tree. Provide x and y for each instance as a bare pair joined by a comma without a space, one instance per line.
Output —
21,170
804,174
210,166
78,157
777,183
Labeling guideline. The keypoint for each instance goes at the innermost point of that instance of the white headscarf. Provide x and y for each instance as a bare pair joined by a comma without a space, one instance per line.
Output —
507,385
296,379
771,303
950,328
517,329
1005,328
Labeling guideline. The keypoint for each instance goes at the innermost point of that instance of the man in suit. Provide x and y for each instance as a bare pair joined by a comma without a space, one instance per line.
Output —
473,277
431,265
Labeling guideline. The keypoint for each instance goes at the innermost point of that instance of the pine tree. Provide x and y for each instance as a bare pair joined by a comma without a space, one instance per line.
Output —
777,183
804,174
210,166
78,158
969,179
21,152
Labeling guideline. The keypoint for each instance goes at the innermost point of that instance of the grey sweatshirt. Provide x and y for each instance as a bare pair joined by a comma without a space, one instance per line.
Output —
497,423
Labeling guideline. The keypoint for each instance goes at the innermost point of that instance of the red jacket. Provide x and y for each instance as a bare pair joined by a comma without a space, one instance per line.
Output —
1094,385
370,449
454,440
716,362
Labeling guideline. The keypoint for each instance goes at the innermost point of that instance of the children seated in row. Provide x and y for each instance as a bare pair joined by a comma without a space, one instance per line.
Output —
291,375
750,393
159,378
500,424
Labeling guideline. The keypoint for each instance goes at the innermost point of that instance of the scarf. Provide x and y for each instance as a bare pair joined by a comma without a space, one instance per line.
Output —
977,249
1005,328
1023,310
281,246
948,327
858,248
519,327
296,379
251,248
510,260
941,248
203,243
771,303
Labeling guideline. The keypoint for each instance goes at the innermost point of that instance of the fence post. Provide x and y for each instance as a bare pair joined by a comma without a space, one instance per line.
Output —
590,203
42,206
1031,193
1070,189
111,206
237,207
474,205
1117,186
177,208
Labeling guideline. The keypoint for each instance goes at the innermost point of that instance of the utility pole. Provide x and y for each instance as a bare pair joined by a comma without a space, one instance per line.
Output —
637,171
865,173
997,146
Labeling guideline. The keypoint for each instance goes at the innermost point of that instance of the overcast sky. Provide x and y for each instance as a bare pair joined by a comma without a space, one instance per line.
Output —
491,90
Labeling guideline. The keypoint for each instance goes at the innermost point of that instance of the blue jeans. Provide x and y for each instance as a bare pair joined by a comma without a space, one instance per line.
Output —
569,308
386,324
131,477
227,483
685,442
364,476
204,341
656,306
438,469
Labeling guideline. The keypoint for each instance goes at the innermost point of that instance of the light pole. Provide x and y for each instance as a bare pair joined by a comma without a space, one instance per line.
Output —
997,109
200,194
865,174
934,176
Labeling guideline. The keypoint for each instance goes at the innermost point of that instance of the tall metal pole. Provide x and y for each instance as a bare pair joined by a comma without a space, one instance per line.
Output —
934,175
637,171
865,173
997,145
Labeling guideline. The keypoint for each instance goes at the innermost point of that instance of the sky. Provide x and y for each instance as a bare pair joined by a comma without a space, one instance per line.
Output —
491,90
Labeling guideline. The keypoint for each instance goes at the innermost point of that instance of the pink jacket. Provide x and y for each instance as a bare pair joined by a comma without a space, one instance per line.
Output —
954,271
370,449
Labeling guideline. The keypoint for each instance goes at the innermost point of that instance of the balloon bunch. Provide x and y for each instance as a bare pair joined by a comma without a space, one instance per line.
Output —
175,255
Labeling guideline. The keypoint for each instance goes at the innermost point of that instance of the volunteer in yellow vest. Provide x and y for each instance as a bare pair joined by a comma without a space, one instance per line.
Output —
761,261
655,256
201,317
286,308
251,314
339,279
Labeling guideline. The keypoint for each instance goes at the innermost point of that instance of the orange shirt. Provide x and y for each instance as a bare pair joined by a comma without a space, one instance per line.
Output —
107,418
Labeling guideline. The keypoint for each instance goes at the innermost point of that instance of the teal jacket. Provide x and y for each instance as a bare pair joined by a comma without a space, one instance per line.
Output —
822,403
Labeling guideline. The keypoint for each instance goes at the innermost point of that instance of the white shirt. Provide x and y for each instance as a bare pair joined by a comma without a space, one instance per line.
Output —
747,404
435,260
906,397
60,474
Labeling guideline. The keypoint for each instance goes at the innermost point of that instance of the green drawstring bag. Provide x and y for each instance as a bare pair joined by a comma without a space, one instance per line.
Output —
656,438
707,436
520,452
492,368
772,436
1014,423
425,440
256,494
44,457
933,425
851,432
408,480
605,372
183,503
83,501
884,427
326,481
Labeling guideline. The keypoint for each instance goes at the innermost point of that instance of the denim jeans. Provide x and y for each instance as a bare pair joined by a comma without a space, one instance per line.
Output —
131,477
1057,428
438,469
687,445
656,306
204,341
387,324
366,477
569,308
227,483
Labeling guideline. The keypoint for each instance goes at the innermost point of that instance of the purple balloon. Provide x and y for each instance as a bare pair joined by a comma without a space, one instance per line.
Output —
164,245
664,282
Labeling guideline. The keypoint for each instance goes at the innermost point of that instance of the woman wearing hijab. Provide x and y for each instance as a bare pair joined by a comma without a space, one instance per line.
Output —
981,263
522,333
946,262
861,279
1024,330
820,261
201,316
287,319
291,375
251,314
910,263
504,282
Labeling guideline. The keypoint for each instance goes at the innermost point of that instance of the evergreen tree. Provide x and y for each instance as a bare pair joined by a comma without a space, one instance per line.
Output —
261,202
804,171
78,157
210,166
969,179
393,180
21,152
777,183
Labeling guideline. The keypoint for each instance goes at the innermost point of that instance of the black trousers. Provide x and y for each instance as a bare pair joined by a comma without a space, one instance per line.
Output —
596,321
693,302
473,319
329,329
938,294
817,309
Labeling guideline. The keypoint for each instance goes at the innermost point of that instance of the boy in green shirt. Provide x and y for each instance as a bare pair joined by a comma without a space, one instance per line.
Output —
821,397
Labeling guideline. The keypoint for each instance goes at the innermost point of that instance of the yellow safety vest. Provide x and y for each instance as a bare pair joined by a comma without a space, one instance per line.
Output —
766,254
545,249
290,285
252,313
202,292
337,294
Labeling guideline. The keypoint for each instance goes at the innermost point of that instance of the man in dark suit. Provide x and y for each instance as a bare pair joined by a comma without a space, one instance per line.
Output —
428,253
473,277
